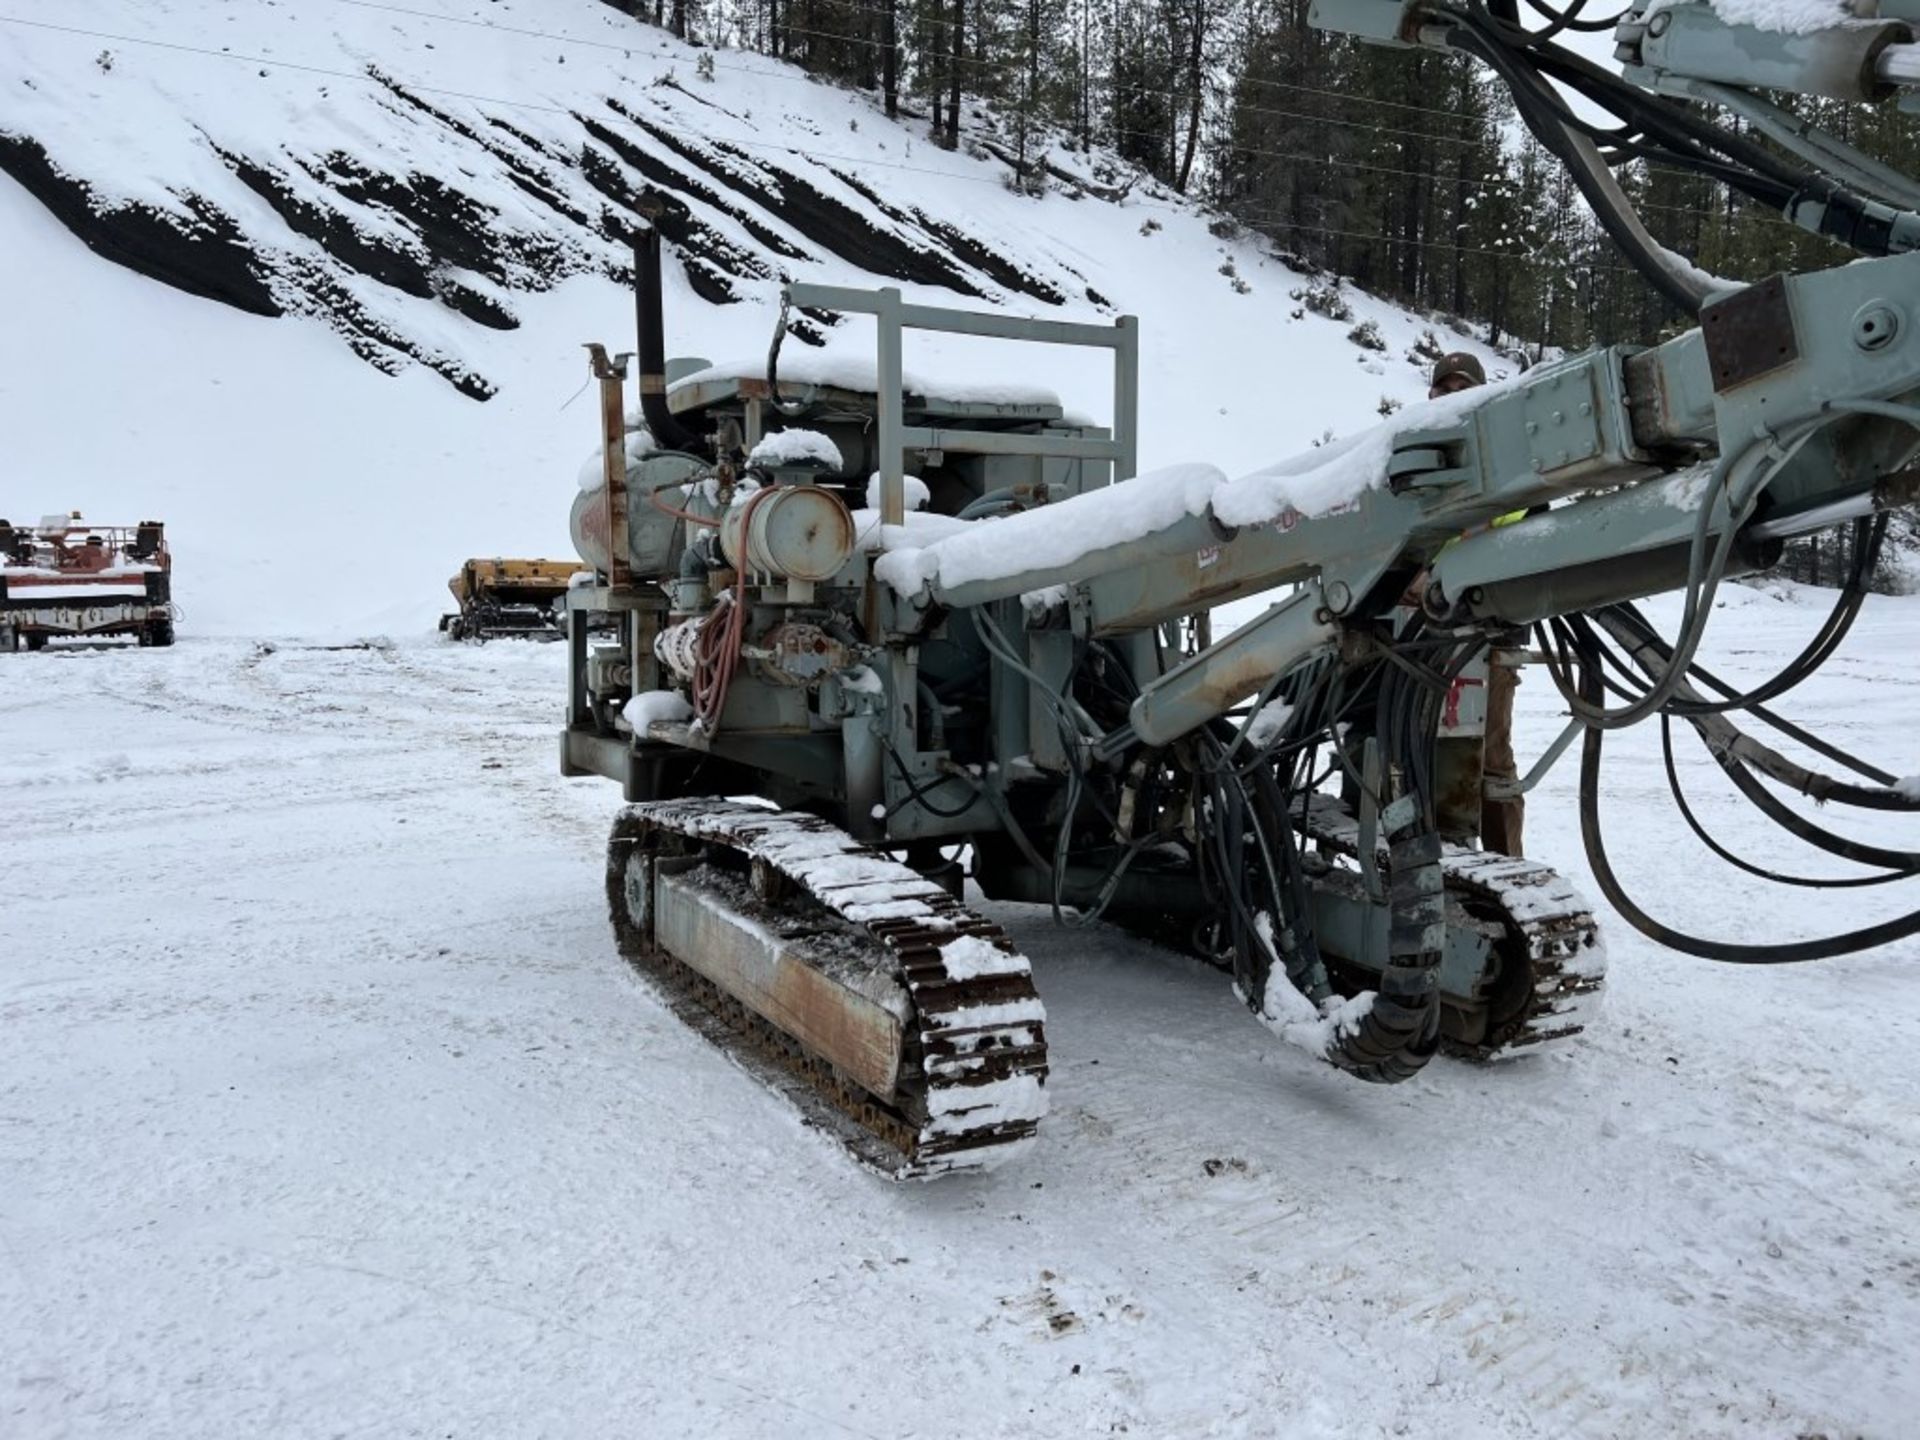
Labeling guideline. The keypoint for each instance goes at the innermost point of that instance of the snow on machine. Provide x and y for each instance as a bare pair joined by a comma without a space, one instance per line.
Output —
66,578
931,625
508,597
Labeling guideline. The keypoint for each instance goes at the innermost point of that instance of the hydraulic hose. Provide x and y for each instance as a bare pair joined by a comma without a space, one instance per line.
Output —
1399,1035
1792,952
1694,823
780,403
718,655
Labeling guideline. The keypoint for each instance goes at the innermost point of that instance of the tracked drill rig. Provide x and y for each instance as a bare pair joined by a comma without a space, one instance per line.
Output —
1018,682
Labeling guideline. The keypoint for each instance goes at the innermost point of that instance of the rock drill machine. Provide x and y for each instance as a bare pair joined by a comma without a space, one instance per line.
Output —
1020,676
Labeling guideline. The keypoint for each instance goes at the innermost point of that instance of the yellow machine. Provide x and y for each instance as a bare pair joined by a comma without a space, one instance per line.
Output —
509,597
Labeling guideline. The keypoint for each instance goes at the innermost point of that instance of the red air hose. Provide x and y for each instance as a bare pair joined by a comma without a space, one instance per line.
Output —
717,652
687,515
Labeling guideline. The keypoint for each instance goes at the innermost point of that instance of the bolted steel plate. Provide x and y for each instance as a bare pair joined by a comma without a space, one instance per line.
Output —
1749,334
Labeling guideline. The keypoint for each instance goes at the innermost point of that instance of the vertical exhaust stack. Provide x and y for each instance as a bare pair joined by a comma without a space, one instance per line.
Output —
667,432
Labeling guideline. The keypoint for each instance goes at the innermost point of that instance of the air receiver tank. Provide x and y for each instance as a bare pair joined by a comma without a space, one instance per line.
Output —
795,532
651,549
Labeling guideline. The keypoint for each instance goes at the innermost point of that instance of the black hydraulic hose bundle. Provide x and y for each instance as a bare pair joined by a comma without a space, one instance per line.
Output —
1553,126
1249,864
1299,948
1579,660
1730,952
1569,19
780,402
1868,536
1253,868
1694,823
1401,1032
1739,755
1651,129
1579,649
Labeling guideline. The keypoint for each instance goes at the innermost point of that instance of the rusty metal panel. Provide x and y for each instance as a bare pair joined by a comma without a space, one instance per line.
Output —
1749,334
612,375
841,1025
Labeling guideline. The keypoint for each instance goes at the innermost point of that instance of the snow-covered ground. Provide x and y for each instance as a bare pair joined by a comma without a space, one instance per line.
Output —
326,1108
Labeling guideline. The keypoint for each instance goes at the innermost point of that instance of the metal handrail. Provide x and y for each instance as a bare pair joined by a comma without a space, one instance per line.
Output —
895,438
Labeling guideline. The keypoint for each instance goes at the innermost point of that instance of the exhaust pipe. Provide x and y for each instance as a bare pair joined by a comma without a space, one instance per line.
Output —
666,431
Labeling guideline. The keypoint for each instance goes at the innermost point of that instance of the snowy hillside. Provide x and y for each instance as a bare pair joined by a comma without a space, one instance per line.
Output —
433,190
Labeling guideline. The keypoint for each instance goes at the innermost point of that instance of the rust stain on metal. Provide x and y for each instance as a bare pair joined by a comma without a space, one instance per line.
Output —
1749,333
978,1036
612,375
844,1027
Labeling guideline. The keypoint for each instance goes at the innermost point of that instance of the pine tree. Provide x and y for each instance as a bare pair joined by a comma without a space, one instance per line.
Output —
1397,168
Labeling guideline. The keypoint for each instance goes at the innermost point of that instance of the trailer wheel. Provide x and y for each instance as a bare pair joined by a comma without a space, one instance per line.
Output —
158,631
36,640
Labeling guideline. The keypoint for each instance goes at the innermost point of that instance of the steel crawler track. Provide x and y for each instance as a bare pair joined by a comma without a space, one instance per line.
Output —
967,1084
1538,907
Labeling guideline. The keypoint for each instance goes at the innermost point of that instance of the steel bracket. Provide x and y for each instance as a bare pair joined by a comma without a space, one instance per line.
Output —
1750,333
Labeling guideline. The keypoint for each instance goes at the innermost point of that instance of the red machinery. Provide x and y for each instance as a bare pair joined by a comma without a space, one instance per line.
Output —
65,577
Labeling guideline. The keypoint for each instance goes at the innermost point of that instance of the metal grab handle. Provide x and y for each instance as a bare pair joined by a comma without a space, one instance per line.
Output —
895,315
